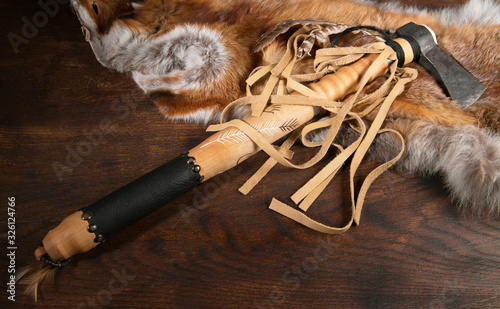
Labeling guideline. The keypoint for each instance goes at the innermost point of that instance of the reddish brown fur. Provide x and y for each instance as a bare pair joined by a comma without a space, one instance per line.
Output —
243,22
109,11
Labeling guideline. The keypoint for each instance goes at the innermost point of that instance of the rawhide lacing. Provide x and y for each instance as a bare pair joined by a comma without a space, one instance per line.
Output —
352,110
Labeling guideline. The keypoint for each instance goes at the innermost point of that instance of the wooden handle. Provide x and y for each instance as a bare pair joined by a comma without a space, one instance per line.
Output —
223,150
229,147
69,238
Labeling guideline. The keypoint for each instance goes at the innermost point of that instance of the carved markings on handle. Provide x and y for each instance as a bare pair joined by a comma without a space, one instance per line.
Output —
290,125
274,108
267,129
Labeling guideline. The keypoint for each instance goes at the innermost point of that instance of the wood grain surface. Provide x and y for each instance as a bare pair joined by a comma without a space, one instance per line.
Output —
72,131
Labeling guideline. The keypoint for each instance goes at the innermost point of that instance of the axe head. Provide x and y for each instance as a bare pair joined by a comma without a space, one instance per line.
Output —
455,80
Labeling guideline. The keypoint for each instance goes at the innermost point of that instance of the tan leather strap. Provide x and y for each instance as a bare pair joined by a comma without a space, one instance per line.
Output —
376,104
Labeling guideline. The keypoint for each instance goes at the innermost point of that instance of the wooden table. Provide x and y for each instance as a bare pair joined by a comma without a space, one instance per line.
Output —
72,132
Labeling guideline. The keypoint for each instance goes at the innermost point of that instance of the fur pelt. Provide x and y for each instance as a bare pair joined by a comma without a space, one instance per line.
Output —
193,56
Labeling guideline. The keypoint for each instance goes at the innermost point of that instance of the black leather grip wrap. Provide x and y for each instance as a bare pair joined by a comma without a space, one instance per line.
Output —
141,197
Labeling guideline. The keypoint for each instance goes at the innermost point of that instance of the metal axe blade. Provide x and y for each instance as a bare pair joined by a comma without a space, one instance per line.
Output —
455,80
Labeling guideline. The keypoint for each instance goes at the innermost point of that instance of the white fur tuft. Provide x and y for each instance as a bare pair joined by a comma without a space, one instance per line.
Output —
475,11
480,12
203,116
188,57
466,157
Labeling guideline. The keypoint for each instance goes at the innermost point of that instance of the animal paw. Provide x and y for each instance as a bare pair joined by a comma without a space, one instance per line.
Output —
475,178
466,157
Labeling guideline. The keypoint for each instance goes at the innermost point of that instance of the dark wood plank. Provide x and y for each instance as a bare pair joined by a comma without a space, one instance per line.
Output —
213,247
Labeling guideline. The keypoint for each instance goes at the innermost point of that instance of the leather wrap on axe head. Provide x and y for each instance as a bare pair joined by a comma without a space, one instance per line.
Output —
141,197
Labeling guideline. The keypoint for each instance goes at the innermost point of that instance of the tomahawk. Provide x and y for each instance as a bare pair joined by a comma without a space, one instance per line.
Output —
90,226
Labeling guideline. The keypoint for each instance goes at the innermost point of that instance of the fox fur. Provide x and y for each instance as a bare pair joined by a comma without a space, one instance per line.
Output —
193,56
